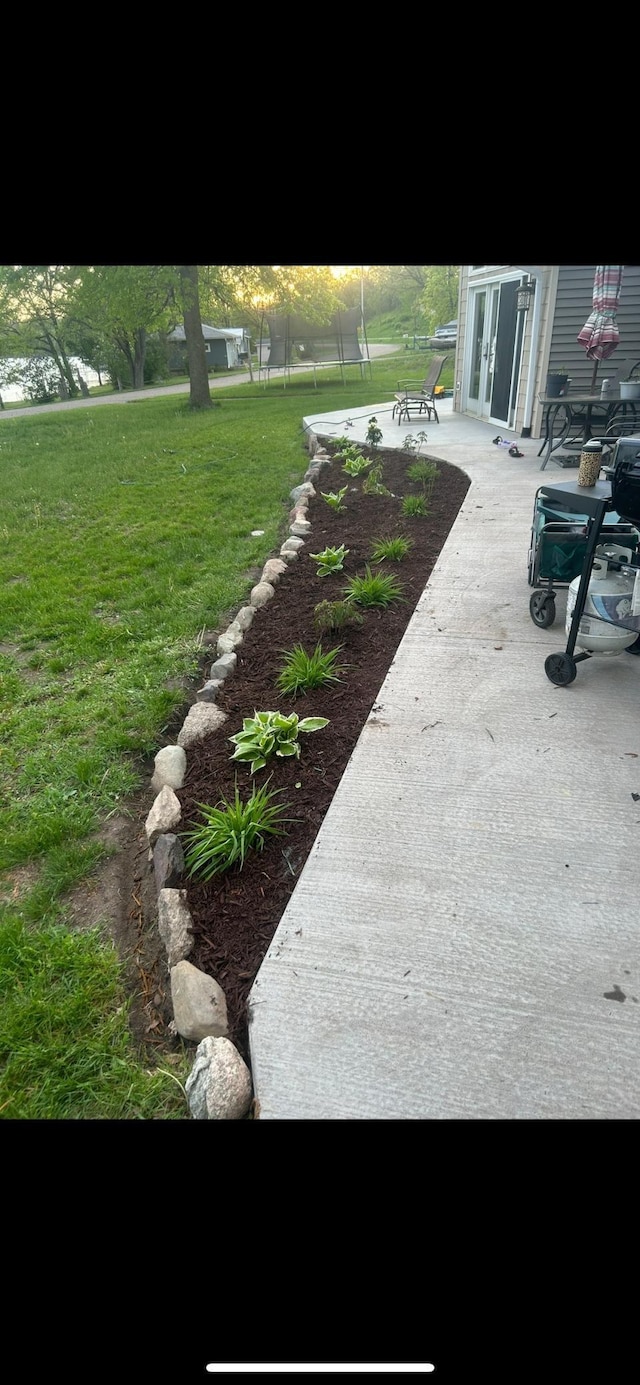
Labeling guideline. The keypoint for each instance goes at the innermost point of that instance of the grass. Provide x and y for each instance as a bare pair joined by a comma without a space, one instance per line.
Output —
229,830
395,548
125,531
415,505
373,589
301,672
65,1047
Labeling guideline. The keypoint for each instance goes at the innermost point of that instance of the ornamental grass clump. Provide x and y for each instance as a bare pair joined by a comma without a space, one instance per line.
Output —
266,733
395,548
414,505
302,672
373,589
230,830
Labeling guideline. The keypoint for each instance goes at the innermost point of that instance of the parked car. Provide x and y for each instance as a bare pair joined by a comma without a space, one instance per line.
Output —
445,336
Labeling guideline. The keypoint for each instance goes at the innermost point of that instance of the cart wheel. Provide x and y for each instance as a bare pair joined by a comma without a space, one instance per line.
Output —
542,609
560,669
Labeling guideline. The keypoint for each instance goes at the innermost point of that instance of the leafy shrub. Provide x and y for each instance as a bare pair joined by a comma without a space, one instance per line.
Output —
230,830
266,732
302,671
424,473
374,433
374,589
335,615
373,484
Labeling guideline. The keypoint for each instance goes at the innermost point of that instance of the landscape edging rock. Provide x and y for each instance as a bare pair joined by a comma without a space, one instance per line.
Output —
233,1095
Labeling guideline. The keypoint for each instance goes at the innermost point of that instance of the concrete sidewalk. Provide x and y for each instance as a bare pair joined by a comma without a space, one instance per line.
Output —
462,942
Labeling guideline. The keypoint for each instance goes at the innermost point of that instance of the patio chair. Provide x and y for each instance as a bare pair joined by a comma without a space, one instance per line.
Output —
419,395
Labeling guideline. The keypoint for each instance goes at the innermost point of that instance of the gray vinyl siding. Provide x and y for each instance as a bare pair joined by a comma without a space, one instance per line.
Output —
572,308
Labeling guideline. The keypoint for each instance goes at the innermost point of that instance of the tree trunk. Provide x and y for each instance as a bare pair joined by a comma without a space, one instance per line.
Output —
140,351
199,394
60,358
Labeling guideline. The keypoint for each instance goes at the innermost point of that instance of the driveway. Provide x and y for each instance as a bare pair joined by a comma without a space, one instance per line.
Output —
216,382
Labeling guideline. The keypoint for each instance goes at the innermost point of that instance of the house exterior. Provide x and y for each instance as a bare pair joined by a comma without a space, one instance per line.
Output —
503,355
226,347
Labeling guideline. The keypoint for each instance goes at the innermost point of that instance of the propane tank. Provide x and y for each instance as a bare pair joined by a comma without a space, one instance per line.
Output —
617,593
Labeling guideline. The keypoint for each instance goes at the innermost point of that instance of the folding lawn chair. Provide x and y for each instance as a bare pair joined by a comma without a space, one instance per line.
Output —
419,395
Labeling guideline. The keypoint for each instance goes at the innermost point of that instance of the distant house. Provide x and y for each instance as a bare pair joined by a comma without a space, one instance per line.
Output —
226,347
503,355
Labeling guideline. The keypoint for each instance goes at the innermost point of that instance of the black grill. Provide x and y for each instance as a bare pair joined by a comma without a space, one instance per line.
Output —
625,479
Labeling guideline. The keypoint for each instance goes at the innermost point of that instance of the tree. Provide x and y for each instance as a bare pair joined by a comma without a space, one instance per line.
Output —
35,302
439,297
122,304
199,393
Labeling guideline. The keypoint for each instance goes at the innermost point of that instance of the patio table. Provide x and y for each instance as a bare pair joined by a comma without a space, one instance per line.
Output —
575,411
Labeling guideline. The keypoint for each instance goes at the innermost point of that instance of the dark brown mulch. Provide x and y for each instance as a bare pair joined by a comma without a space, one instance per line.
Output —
235,916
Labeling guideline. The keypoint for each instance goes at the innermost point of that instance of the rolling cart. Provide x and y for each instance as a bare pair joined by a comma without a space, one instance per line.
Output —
619,492
557,551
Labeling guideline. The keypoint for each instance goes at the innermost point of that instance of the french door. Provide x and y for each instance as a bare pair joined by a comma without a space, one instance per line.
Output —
494,351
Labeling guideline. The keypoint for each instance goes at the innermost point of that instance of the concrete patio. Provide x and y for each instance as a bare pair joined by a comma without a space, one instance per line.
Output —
462,942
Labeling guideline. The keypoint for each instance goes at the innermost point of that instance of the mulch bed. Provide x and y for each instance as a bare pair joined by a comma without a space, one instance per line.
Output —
235,916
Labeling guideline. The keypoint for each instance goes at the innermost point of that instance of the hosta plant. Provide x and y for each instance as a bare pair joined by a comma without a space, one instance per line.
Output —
266,733
356,465
373,589
230,830
335,615
335,498
395,548
330,560
301,671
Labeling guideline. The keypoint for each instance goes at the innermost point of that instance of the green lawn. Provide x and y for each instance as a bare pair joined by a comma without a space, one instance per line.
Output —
124,532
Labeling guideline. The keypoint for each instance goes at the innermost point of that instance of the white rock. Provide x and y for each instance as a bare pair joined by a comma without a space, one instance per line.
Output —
170,768
289,555
223,666
175,925
293,543
244,617
164,816
300,527
229,641
209,691
199,1005
219,1084
273,570
202,719
262,593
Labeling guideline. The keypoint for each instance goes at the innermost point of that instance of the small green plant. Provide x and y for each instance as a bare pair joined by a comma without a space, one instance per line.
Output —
356,465
374,433
373,484
330,560
335,615
374,589
424,473
266,732
414,505
230,830
335,499
393,548
410,444
301,671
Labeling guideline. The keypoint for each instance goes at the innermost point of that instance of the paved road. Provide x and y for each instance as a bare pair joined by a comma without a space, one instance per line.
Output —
128,397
